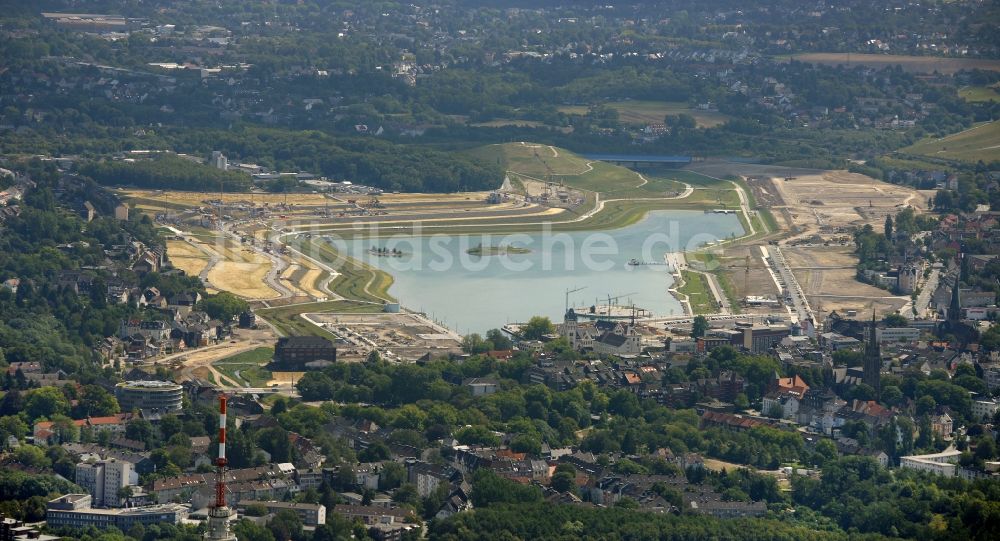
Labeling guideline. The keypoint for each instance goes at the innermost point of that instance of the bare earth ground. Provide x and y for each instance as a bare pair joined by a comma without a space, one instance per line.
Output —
837,201
285,378
198,363
827,275
186,257
757,282
244,279
819,207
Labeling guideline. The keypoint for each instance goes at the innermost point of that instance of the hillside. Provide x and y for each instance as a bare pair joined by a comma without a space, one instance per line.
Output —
535,161
979,143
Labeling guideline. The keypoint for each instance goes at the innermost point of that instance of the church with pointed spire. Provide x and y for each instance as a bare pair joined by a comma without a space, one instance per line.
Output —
872,366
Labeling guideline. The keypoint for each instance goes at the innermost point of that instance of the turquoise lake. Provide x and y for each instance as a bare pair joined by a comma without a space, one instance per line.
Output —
436,275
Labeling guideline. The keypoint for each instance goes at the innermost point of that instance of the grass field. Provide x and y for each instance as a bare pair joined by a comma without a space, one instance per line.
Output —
696,288
286,318
249,365
915,64
639,112
613,181
911,164
979,93
981,142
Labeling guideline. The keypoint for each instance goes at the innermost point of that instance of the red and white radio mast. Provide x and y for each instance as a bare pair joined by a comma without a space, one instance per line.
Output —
219,515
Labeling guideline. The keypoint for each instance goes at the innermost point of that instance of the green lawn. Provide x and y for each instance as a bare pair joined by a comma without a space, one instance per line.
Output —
696,288
979,93
981,142
249,364
612,181
531,159
286,318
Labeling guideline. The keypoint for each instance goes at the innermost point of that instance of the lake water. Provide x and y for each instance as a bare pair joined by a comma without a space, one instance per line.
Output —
468,293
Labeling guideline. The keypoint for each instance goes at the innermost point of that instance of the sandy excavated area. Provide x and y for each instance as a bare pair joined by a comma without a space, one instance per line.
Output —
309,282
838,199
243,279
197,199
820,209
186,257
827,274
287,278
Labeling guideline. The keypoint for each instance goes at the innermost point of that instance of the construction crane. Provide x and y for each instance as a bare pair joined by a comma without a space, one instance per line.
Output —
568,291
746,274
746,277
618,297
548,176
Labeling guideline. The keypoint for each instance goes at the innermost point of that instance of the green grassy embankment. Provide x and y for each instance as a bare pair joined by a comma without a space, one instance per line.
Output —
698,294
248,365
356,281
980,142
287,320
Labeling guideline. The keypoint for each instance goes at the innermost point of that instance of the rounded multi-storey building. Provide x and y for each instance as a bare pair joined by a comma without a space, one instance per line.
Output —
158,396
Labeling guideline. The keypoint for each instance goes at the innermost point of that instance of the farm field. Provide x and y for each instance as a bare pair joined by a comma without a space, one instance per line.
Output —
981,142
915,64
640,112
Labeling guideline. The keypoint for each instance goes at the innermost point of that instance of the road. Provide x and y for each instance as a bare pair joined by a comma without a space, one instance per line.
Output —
919,308
800,305
720,298
688,319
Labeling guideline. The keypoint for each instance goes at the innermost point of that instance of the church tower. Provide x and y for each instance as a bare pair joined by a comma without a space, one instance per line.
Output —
955,306
872,359
569,327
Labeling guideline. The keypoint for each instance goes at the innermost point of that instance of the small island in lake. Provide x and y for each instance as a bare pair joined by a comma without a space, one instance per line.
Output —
497,250
385,252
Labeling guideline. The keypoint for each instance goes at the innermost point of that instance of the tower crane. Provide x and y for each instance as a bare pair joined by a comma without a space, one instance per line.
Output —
549,173
618,297
568,291
746,275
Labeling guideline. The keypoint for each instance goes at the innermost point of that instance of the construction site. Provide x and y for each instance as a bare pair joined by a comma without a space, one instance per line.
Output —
795,261
816,212
404,337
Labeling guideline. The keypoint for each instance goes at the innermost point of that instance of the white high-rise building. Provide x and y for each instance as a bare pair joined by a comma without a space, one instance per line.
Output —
104,479
219,160
117,475
90,476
